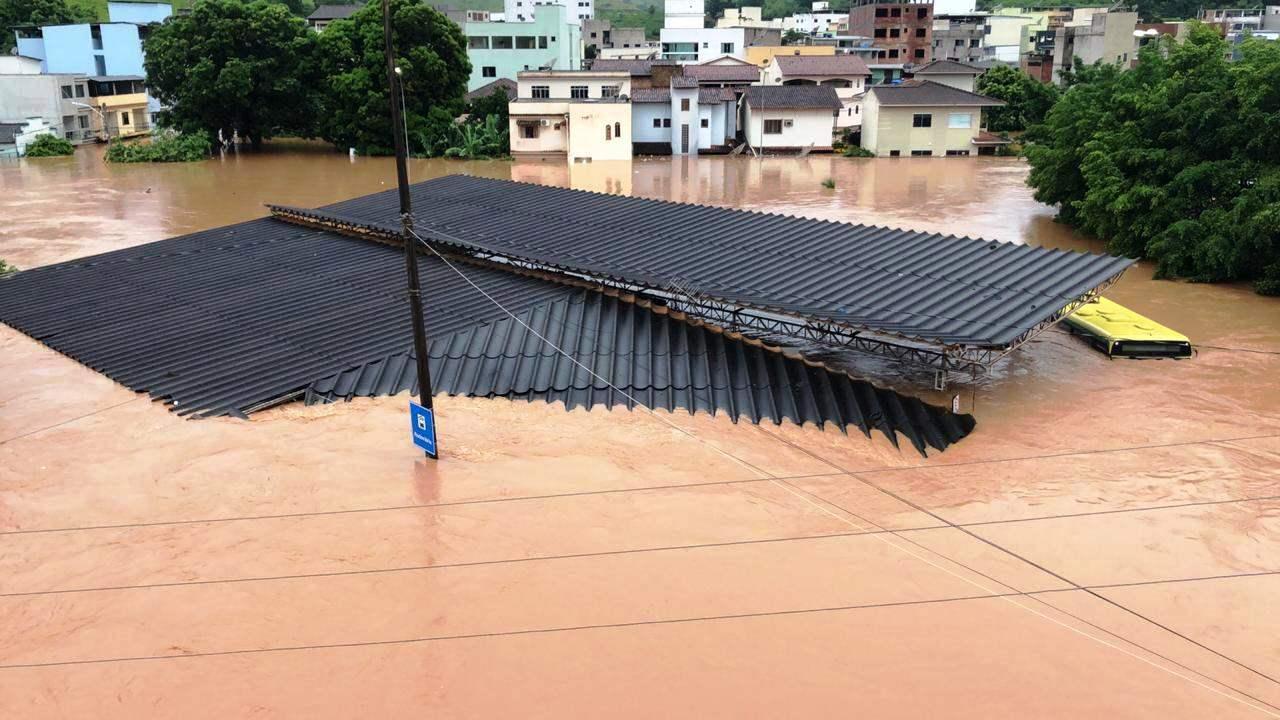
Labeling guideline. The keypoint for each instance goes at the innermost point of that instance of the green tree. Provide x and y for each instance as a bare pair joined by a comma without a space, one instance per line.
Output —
1177,160
431,54
1027,100
16,13
229,67
49,145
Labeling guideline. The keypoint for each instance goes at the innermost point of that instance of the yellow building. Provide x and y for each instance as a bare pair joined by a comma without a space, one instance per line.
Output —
923,118
121,104
763,55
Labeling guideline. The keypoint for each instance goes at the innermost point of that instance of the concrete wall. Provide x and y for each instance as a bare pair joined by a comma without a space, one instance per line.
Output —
681,117
69,49
18,65
552,138
139,13
808,127
885,129
32,47
763,55
587,137
964,81
550,27
683,14
642,117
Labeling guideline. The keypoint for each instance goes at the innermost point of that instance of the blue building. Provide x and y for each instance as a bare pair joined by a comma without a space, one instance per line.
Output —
110,49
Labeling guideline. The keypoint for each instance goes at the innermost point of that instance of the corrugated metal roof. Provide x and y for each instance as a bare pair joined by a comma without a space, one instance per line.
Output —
930,286
928,93
234,319
795,97
660,360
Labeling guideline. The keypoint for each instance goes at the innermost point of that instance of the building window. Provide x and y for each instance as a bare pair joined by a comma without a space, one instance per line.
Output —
80,90
99,65
608,132
882,12
960,120
973,42
608,91
919,32
617,129
124,119
529,132
957,153
542,42
726,48
83,122
478,43
684,104
922,120
578,92
894,32
705,123
657,122
772,127
919,53
525,42
922,13
489,71
666,122
895,12
893,53
895,153
501,43
541,92
881,32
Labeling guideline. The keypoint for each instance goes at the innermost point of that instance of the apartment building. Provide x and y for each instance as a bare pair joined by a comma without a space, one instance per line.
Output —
900,30
60,101
1098,35
550,41
960,37
583,115
576,11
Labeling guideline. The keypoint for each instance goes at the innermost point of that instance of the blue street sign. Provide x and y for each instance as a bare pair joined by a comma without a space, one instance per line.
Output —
423,424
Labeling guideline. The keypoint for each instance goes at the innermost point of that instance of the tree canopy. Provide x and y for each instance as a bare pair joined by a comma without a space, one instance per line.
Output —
230,67
1027,100
432,56
16,13
1177,160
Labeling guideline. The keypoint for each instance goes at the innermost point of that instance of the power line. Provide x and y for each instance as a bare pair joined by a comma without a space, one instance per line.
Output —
787,487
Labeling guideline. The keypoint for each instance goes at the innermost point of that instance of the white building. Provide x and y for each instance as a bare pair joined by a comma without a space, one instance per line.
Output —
699,45
847,74
814,23
683,118
522,10
684,14
789,118
578,114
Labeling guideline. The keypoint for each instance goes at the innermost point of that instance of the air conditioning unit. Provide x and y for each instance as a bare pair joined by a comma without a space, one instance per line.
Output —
788,123
546,122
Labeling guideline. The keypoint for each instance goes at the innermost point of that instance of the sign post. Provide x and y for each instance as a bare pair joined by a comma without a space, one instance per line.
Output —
422,425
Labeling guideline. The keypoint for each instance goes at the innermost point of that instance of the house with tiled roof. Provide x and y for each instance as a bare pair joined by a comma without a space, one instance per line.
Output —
848,74
924,118
789,118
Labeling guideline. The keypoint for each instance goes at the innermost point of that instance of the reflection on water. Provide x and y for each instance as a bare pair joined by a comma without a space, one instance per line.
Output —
55,209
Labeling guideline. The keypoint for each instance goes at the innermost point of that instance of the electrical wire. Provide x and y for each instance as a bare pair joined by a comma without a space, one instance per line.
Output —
843,517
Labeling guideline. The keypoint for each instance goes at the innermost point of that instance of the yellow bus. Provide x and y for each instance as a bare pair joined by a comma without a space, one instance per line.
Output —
1121,332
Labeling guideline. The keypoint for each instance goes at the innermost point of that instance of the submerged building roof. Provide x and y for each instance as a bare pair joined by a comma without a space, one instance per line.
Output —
928,286
235,319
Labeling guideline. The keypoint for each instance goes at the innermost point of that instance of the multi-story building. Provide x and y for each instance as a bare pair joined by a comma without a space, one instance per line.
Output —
1106,37
684,118
551,41
580,114
603,36
1003,39
61,101
526,10
819,20
960,37
900,30
94,49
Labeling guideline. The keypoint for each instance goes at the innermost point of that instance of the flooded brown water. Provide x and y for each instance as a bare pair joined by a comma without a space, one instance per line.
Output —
308,563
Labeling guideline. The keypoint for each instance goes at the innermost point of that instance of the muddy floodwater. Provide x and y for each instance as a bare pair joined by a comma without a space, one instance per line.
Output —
1105,544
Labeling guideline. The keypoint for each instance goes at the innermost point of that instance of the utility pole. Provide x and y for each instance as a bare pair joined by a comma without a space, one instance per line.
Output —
406,225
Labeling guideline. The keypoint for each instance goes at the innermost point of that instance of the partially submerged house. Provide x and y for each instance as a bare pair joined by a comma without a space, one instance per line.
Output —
925,118
790,118
583,115
848,74
684,118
